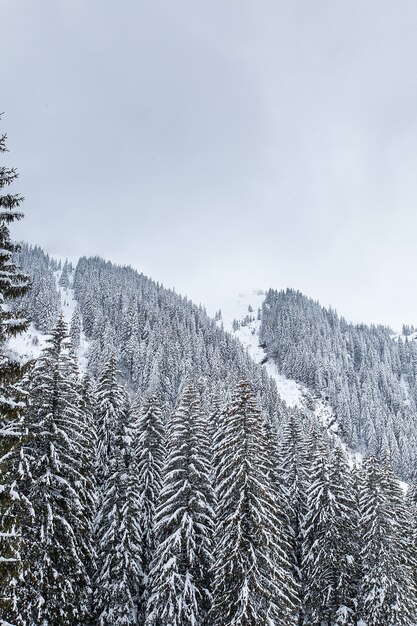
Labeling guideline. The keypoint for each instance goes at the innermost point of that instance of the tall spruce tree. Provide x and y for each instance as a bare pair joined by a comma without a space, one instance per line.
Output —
387,593
254,583
329,551
118,534
110,400
75,329
57,535
345,540
293,479
411,503
13,284
181,569
150,452
88,468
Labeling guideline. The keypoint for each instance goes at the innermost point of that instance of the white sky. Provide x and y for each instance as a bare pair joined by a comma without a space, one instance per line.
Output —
224,145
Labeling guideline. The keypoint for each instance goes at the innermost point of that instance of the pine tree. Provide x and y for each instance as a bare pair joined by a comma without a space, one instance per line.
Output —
118,533
150,455
13,285
57,535
253,579
110,399
64,279
387,594
411,503
180,573
88,468
293,479
317,571
329,563
75,329
345,538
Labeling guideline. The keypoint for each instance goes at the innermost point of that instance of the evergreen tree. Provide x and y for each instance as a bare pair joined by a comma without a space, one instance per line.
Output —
118,533
293,479
345,540
412,511
150,455
329,559
57,535
253,579
64,278
180,573
110,400
88,468
75,329
13,285
387,594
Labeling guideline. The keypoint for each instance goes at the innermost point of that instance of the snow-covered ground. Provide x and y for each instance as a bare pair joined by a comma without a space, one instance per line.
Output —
29,345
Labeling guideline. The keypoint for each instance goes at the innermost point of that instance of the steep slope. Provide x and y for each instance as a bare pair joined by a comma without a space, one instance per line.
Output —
161,338
367,375
242,317
359,382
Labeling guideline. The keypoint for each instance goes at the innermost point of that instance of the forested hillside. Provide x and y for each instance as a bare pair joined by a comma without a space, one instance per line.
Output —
159,337
167,484
368,375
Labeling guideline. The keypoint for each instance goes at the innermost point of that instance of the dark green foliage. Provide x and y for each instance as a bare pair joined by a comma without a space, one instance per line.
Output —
150,453
254,583
387,592
56,544
118,534
13,285
181,569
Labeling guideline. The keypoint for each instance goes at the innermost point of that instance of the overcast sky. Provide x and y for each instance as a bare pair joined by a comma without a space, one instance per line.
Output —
222,146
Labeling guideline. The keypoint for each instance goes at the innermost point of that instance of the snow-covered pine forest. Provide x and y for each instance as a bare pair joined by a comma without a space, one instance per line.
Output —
152,472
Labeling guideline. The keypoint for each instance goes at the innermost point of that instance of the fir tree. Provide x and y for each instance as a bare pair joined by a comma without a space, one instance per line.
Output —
118,534
293,479
75,329
13,285
329,559
57,536
64,279
253,579
180,573
150,455
387,594
110,400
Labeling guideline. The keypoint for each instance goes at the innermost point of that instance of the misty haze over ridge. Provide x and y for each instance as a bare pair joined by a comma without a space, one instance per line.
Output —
221,147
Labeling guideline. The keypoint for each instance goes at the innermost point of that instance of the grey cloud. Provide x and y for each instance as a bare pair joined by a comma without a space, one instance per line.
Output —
222,146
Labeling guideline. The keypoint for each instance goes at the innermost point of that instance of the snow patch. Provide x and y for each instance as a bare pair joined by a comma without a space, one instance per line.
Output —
68,305
243,310
29,345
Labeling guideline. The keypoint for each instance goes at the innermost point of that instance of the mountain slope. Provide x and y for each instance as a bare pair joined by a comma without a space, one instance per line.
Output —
357,381
368,376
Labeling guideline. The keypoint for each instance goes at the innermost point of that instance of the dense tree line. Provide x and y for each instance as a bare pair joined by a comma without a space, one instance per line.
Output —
134,519
160,337
189,495
368,375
